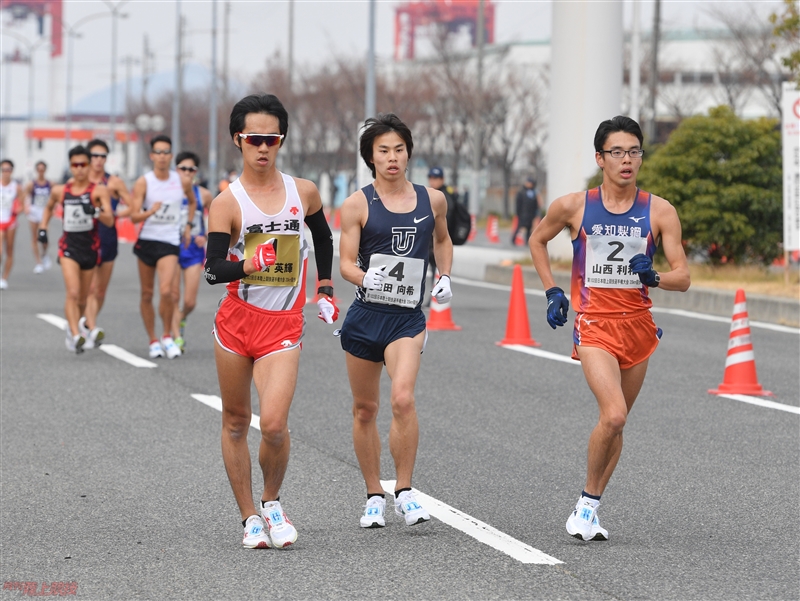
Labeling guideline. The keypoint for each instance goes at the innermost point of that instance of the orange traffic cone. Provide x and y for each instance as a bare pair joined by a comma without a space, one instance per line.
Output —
740,364
518,330
126,230
492,229
441,317
337,220
473,229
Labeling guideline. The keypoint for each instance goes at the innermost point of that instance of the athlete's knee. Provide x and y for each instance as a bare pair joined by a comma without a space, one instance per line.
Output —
235,425
365,411
403,402
188,305
274,431
614,421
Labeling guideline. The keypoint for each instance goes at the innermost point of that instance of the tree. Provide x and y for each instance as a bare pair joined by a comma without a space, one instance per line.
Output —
723,175
787,28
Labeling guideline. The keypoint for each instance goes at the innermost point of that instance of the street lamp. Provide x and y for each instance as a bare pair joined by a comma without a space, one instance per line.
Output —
72,33
113,113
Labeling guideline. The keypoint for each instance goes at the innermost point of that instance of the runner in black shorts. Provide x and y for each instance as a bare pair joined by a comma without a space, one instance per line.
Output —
387,230
85,203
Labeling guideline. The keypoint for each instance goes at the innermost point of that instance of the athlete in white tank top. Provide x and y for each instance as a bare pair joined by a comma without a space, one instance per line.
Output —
8,195
165,224
282,287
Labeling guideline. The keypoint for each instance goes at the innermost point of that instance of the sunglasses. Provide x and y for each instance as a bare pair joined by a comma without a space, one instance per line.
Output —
161,152
79,165
189,169
259,139
98,155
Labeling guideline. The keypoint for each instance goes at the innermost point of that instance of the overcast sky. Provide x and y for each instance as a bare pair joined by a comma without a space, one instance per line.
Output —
259,29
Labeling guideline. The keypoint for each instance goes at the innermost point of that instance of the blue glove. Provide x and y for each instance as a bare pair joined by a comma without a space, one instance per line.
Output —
642,265
557,307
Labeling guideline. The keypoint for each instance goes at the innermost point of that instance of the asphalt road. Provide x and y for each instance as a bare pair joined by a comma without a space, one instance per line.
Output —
112,477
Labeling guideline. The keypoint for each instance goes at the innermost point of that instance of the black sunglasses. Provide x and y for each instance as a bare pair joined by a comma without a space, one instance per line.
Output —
259,139
185,168
97,155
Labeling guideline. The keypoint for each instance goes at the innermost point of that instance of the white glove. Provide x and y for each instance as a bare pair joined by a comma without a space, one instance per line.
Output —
373,279
441,291
328,311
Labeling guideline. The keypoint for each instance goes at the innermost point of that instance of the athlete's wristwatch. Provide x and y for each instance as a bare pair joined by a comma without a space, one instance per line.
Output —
326,290
658,280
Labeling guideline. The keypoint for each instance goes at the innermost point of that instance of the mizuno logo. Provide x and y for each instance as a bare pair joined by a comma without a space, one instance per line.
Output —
421,219
636,219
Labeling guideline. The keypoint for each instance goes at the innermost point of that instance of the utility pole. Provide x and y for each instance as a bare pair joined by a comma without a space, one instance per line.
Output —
369,93
474,203
287,147
635,70
212,116
651,125
176,99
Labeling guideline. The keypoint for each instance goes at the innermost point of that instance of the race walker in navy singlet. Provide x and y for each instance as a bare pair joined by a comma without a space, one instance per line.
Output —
387,231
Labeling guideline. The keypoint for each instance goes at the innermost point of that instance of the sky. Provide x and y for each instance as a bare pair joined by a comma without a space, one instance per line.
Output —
259,30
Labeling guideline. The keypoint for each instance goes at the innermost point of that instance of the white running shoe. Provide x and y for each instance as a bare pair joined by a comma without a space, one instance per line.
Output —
584,524
373,513
170,347
155,350
281,531
85,333
38,269
96,337
3,284
78,341
407,506
255,535
68,342
46,262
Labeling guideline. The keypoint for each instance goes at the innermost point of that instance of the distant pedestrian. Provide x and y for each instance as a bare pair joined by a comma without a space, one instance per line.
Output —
10,205
37,193
527,207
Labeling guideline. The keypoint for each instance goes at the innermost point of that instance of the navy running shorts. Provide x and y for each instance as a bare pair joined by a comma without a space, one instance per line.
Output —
369,328
109,245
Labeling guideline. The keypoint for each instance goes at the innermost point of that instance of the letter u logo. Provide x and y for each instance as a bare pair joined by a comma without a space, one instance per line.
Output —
403,240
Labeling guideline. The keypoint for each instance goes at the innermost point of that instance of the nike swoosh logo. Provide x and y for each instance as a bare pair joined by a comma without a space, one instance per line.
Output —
636,219
422,219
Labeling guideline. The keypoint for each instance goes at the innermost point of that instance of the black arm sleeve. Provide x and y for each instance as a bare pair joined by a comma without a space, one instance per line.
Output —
323,243
218,270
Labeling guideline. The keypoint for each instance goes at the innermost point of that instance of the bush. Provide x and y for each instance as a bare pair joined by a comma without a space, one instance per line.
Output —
723,175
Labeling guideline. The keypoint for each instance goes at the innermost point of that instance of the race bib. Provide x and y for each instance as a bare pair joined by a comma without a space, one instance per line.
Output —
167,214
76,219
608,261
403,283
286,270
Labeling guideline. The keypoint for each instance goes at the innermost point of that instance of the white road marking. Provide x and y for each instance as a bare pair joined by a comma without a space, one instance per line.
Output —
477,529
761,402
449,515
120,353
55,320
680,312
111,349
540,353
736,397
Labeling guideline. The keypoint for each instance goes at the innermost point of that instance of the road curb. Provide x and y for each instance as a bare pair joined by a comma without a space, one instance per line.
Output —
783,311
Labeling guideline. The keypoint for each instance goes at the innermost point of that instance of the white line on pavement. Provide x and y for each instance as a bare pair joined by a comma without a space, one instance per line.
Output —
540,353
761,402
111,349
449,515
120,353
679,312
55,320
736,397
477,529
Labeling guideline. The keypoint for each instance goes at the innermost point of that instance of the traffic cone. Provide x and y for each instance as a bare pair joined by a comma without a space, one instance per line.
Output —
519,240
473,229
126,230
492,229
441,317
740,364
337,220
518,330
